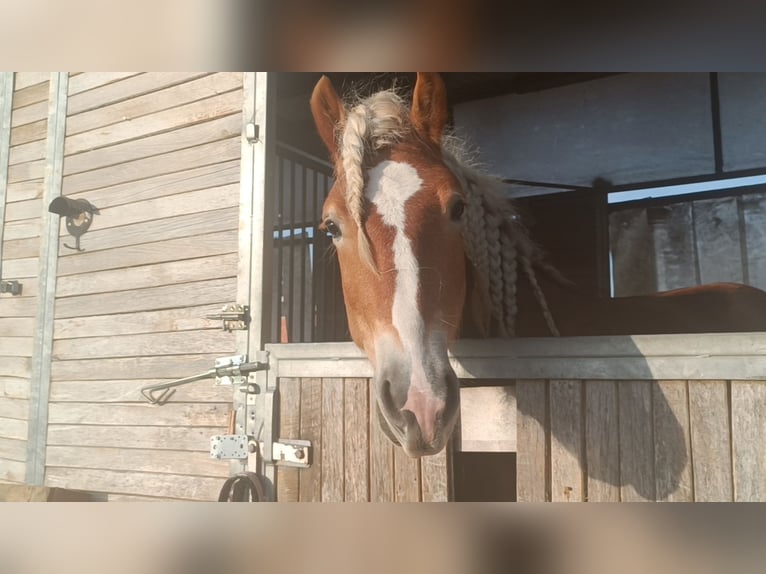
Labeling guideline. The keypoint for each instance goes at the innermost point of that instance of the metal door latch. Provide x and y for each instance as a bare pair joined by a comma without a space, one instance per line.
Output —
292,452
12,287
233,317
227,371
295,453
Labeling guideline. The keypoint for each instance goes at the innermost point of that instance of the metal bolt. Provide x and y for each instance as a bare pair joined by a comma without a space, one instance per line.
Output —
299,453
251,447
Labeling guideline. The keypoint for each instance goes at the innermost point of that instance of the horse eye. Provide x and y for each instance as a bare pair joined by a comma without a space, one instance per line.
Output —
456,211
332,229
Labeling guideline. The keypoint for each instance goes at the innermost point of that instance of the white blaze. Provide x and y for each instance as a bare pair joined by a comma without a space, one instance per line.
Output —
390,185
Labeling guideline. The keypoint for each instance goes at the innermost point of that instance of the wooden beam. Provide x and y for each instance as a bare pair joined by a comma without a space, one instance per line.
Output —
49,246
6,105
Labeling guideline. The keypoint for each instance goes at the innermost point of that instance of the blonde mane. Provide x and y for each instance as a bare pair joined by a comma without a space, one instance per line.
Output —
494,239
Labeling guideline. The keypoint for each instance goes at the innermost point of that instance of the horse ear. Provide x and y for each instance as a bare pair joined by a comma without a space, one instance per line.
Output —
429,106
328,112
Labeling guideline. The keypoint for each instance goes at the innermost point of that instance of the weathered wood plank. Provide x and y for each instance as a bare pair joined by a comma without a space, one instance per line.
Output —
15,366
151,231
356,421
602,446
672,442
29,132
754,217
205,132
14,387
140,483
716,233
12,470
25,190
29,170
532,440
21,248
91,80
288,479
435,476
199,201
136,170
311,429
21,268
674,246
16,326
13,449
748,421
128,391
332,440
143,276
27,152
567,456
14,428
14,408
147,253
189,179
133,368
406,477
27,209
176,320
16,346
488,419
137,460
88,116
710,440
29,114
158,438
636,445
25,79
30,95
171,414
22,229
165,297
142,87
174,118
381,456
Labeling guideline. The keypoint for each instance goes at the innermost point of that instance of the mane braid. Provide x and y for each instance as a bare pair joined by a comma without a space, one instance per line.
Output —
495,243
371,125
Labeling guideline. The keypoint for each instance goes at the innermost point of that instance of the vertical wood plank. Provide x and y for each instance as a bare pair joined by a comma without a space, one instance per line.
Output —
289,427
674,246
567,456
311,429
406,477
754,215
332,440
711,452
356,440
636,445
532,432
748,422
716,233
435,476
602,445
381,456
672,442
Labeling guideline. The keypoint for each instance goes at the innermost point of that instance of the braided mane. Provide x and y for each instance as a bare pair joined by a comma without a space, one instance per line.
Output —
495,241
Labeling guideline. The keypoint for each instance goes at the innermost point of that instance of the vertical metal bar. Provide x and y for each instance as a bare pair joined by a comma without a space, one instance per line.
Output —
6,105
304,246
715,112
316,216
261,422
291,319
280,189
49,248
245,248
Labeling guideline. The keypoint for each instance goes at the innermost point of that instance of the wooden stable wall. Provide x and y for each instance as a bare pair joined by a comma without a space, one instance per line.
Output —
640,418
20,248
159,155
353,460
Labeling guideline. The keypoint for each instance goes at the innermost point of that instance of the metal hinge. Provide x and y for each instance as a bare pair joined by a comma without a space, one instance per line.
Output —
12,287
285,452
233,317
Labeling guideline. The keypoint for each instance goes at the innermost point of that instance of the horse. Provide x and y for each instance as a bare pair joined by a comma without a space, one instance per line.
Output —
429,250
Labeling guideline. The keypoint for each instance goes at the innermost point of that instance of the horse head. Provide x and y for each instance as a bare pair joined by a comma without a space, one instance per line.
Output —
394,214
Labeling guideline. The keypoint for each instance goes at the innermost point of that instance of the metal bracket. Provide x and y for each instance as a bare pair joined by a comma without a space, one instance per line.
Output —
252,132
12,287
228,375
292,452
233,317
229,446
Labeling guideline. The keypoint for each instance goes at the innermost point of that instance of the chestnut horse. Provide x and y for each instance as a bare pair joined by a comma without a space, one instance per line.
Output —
427,244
